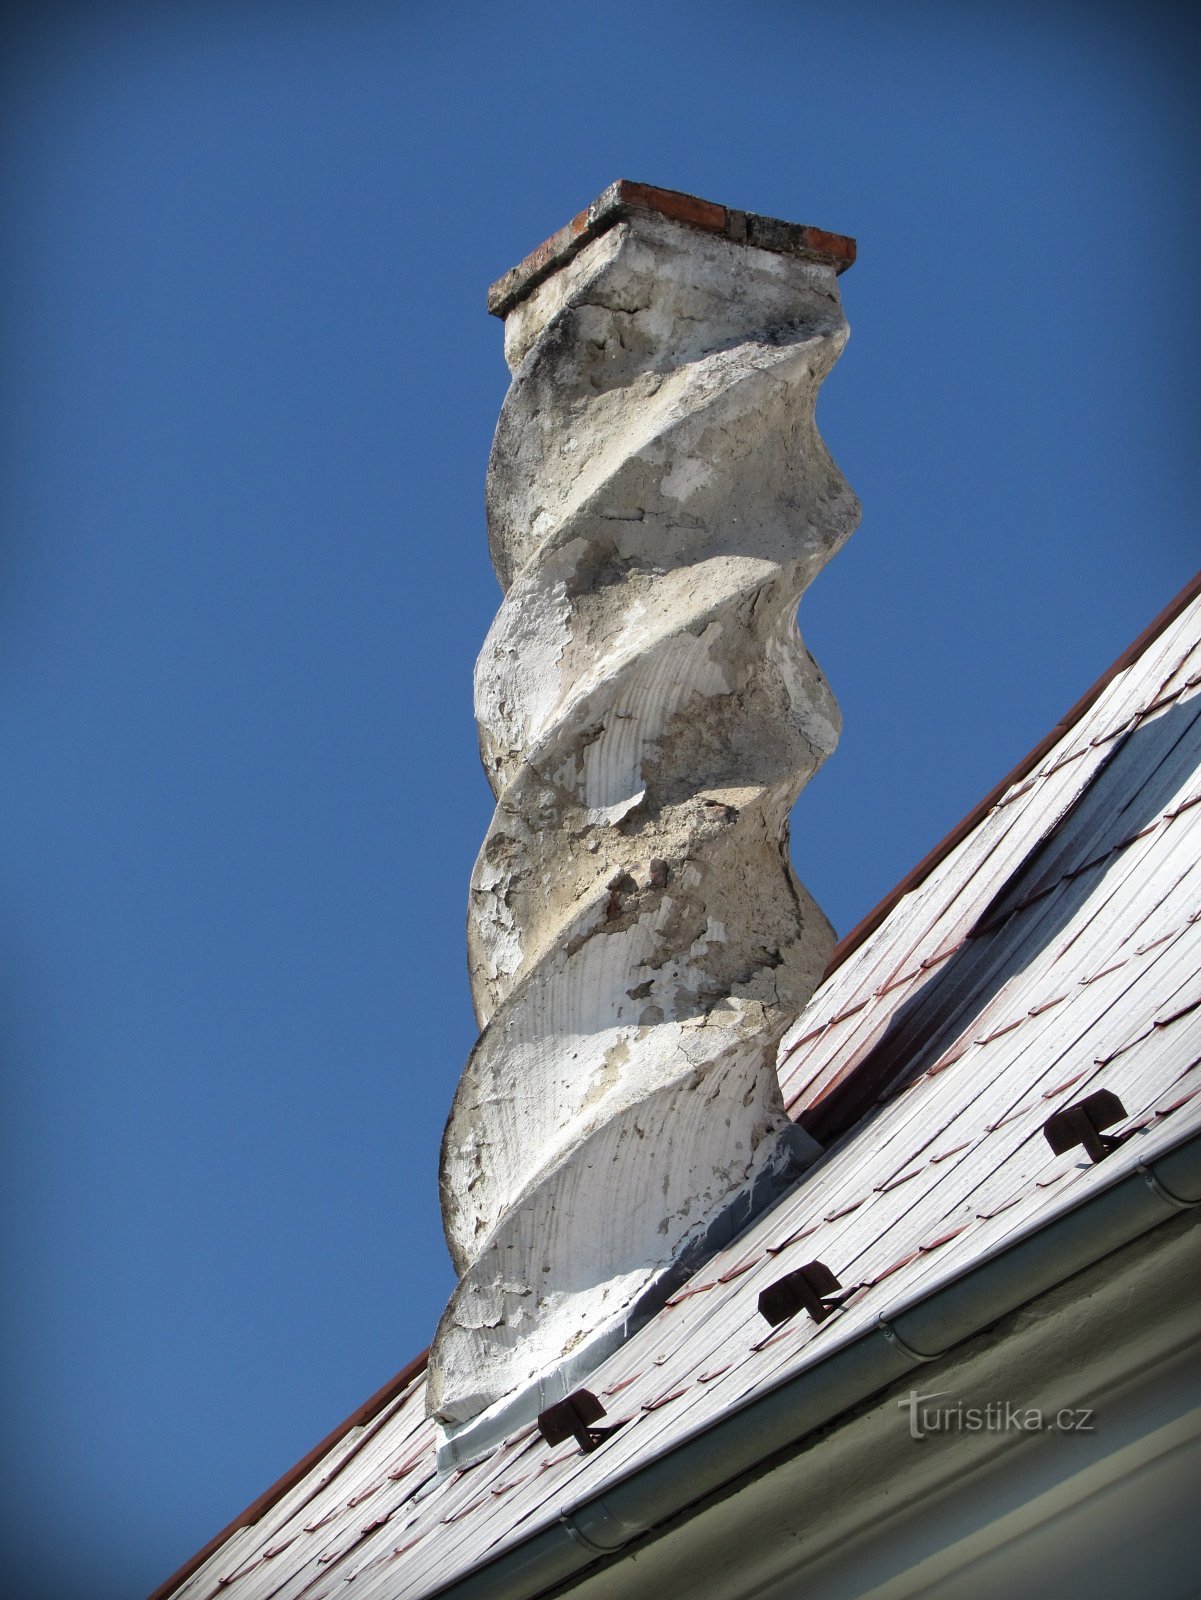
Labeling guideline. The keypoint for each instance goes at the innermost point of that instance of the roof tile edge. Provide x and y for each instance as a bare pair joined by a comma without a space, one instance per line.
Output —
360,1417
626,198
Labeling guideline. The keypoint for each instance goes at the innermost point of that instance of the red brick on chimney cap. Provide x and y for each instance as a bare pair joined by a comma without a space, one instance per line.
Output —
626,198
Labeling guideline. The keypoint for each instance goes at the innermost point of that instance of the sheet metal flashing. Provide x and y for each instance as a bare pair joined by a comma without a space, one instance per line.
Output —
914,1333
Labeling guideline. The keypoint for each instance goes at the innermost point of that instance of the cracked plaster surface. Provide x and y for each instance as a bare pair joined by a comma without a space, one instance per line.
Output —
658,499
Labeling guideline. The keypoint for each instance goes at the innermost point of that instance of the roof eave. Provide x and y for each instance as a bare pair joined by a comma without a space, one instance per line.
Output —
912,1334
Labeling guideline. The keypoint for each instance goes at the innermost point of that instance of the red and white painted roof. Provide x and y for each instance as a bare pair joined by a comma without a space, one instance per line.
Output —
1054,949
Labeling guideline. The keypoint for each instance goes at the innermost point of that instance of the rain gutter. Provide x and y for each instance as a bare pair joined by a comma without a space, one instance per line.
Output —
778,1419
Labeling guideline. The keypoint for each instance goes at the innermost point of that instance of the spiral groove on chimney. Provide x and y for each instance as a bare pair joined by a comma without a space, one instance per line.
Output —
658,500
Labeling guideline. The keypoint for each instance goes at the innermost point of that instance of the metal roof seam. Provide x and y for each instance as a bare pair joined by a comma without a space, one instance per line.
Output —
878,1228
870,923
616,1509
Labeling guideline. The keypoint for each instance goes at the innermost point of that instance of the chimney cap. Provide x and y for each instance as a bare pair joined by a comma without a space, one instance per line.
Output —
626,198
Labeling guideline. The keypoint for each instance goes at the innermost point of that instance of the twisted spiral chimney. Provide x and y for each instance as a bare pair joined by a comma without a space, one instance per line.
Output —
658,499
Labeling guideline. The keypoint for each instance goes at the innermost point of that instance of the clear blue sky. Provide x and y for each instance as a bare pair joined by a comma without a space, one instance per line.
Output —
249,391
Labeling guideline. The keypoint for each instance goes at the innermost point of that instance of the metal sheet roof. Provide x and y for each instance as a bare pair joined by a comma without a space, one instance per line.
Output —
1054,950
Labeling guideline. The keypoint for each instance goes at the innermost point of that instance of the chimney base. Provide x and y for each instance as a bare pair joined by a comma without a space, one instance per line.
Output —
461,1444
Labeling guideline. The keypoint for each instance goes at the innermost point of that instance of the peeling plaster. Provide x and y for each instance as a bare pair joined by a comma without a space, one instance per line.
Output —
658,499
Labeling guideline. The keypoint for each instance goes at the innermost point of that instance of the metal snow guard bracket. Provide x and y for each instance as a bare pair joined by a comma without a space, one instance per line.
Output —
573,1418
1082,1124
812,1288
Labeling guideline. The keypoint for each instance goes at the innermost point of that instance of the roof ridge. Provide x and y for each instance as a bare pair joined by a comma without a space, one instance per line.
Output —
863,930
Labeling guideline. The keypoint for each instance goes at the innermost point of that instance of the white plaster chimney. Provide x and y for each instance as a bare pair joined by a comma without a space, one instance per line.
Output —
658,499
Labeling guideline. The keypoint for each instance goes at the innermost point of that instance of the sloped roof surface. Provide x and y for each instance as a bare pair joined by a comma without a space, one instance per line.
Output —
1055,950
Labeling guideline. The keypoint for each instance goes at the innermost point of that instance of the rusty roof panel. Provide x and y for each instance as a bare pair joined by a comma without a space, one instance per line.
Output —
1088,981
